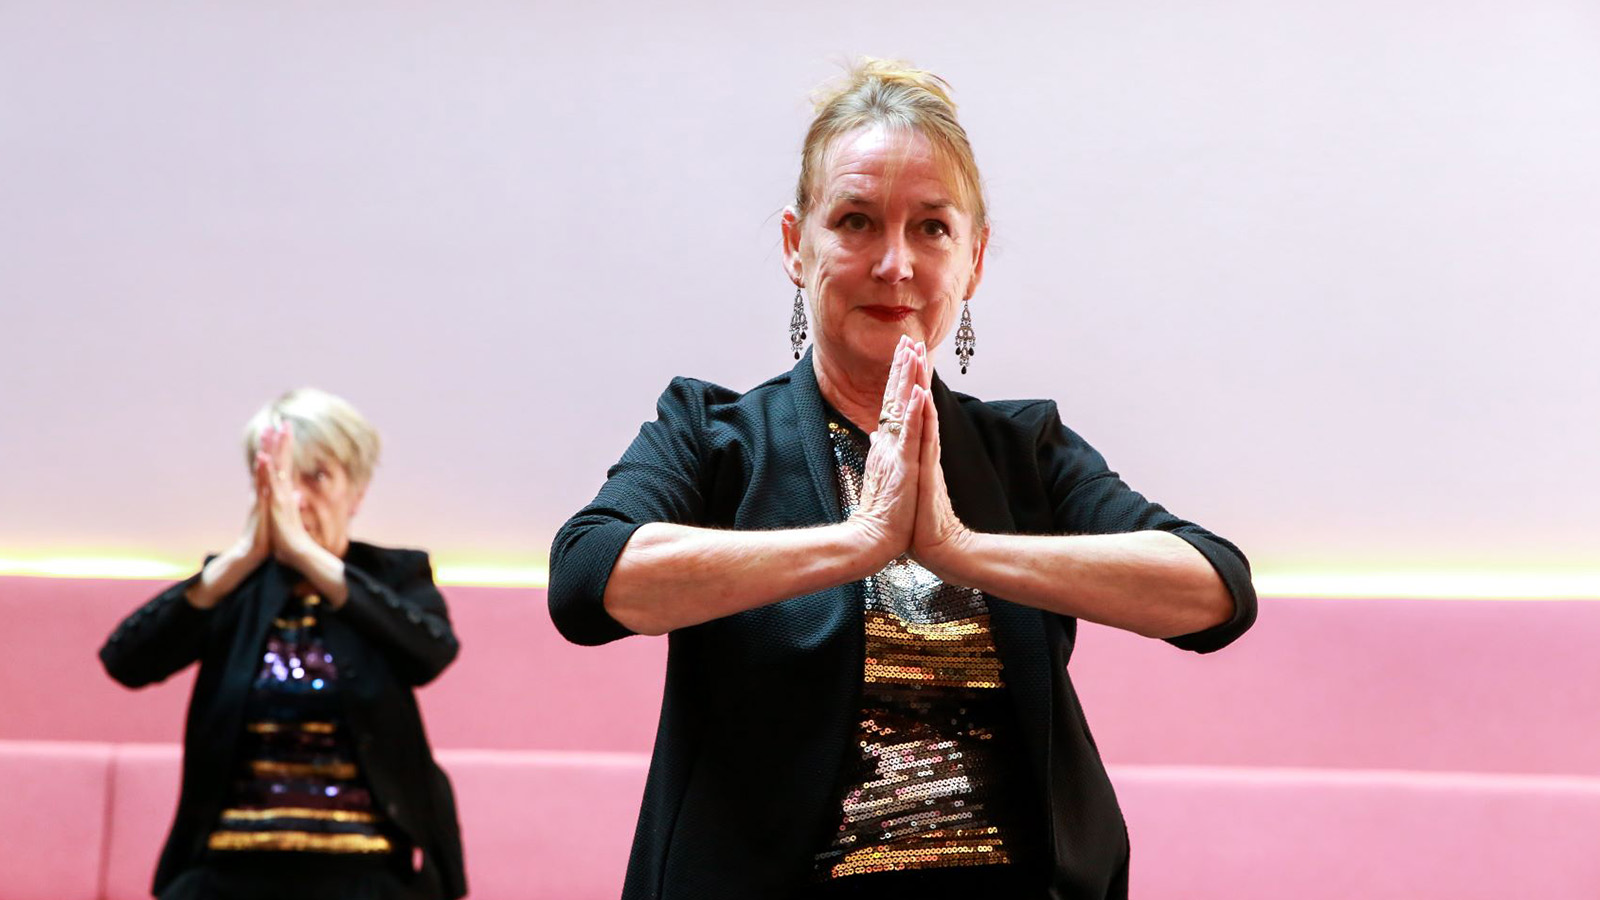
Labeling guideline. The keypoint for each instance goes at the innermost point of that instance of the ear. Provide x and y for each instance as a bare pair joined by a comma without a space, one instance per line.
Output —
791,246
978,250
355,506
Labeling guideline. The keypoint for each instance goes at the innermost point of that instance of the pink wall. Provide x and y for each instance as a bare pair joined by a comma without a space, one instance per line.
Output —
1320,276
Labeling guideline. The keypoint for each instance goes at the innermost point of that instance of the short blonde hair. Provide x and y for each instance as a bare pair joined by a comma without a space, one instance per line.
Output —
898,96
324,425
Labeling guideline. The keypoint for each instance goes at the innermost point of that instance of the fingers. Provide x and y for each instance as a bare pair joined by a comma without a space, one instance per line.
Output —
909,375
929,446
277,442
891,388
278,490
285,446
265,472
911,432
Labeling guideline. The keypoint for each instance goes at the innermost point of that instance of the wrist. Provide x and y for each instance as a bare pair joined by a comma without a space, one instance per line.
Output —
868,546
219,576
299,551
953,557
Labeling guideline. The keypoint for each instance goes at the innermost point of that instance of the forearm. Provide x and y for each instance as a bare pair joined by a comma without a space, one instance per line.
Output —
157,639
221,575
673,576
403,615
324,570
1149,582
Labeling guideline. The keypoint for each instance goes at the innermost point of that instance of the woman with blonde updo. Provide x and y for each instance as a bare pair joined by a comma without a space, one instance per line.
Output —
870,582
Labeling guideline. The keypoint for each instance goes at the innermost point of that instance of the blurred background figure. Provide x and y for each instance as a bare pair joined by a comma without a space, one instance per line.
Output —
306,771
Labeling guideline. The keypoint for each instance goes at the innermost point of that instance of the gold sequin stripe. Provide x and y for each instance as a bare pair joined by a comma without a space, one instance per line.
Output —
898,652
892,627
281,727
953,849
331,770
299,842
297,812
919,672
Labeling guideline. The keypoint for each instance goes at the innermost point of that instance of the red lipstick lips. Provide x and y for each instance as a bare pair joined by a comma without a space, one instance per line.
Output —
888,313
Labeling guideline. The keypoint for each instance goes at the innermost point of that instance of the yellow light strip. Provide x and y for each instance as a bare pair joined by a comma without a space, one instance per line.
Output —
93,567
127,567
1396,584
536,576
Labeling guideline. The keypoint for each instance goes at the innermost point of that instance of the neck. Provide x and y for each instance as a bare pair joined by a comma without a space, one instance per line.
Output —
856,394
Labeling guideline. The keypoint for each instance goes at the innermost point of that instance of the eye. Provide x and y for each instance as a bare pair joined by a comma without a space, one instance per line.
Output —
935,228
855,222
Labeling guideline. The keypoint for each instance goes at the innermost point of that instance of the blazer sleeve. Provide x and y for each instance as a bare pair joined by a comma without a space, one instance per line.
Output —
658,479
1086,497
401,611
157,639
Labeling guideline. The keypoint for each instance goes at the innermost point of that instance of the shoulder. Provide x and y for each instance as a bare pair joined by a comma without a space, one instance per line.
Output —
686,393
710,409
389,564
1027,428
1017,419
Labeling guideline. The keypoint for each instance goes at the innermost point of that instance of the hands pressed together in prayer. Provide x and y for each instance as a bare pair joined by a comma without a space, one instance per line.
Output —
904,506
275,528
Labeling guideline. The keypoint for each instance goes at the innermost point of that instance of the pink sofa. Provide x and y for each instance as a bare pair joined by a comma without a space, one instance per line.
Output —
53,818
556,826
1379,749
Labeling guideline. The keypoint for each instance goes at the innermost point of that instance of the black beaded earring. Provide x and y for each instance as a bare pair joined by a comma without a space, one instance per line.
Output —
965,338
797,324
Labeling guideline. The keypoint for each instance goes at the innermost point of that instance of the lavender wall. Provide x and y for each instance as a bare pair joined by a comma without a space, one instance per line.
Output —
1321,276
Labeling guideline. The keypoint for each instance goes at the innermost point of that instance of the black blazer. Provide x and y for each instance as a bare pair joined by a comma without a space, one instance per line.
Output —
759,706
392,634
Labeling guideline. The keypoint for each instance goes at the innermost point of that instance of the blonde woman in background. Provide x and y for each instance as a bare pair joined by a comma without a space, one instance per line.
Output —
306,772
870,582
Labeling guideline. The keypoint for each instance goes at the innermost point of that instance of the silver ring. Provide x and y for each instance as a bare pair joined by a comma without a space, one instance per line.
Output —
890,425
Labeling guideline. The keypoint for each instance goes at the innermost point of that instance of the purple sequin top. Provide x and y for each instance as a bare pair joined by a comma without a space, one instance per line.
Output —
297,786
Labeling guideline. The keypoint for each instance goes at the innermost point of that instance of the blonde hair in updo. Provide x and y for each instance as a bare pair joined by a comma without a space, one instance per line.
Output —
898,96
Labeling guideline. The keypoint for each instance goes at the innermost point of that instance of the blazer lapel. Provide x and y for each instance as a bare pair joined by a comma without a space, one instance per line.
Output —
271,592
980,502
811,422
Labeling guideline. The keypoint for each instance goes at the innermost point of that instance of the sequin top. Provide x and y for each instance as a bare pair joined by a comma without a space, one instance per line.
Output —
926,782
297,786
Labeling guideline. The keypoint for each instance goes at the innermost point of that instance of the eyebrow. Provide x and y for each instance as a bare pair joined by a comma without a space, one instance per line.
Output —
865,200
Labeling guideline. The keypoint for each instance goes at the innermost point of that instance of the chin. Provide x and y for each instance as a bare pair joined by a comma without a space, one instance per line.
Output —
878,340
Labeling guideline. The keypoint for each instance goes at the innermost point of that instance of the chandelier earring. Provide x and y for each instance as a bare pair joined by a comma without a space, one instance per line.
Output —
966,340
797,324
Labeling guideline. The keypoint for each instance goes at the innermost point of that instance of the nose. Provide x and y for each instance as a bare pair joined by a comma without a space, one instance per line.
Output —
894,262
298,482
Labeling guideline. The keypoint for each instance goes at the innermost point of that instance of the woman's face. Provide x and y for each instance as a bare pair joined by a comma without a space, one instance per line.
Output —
886,249
328,500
